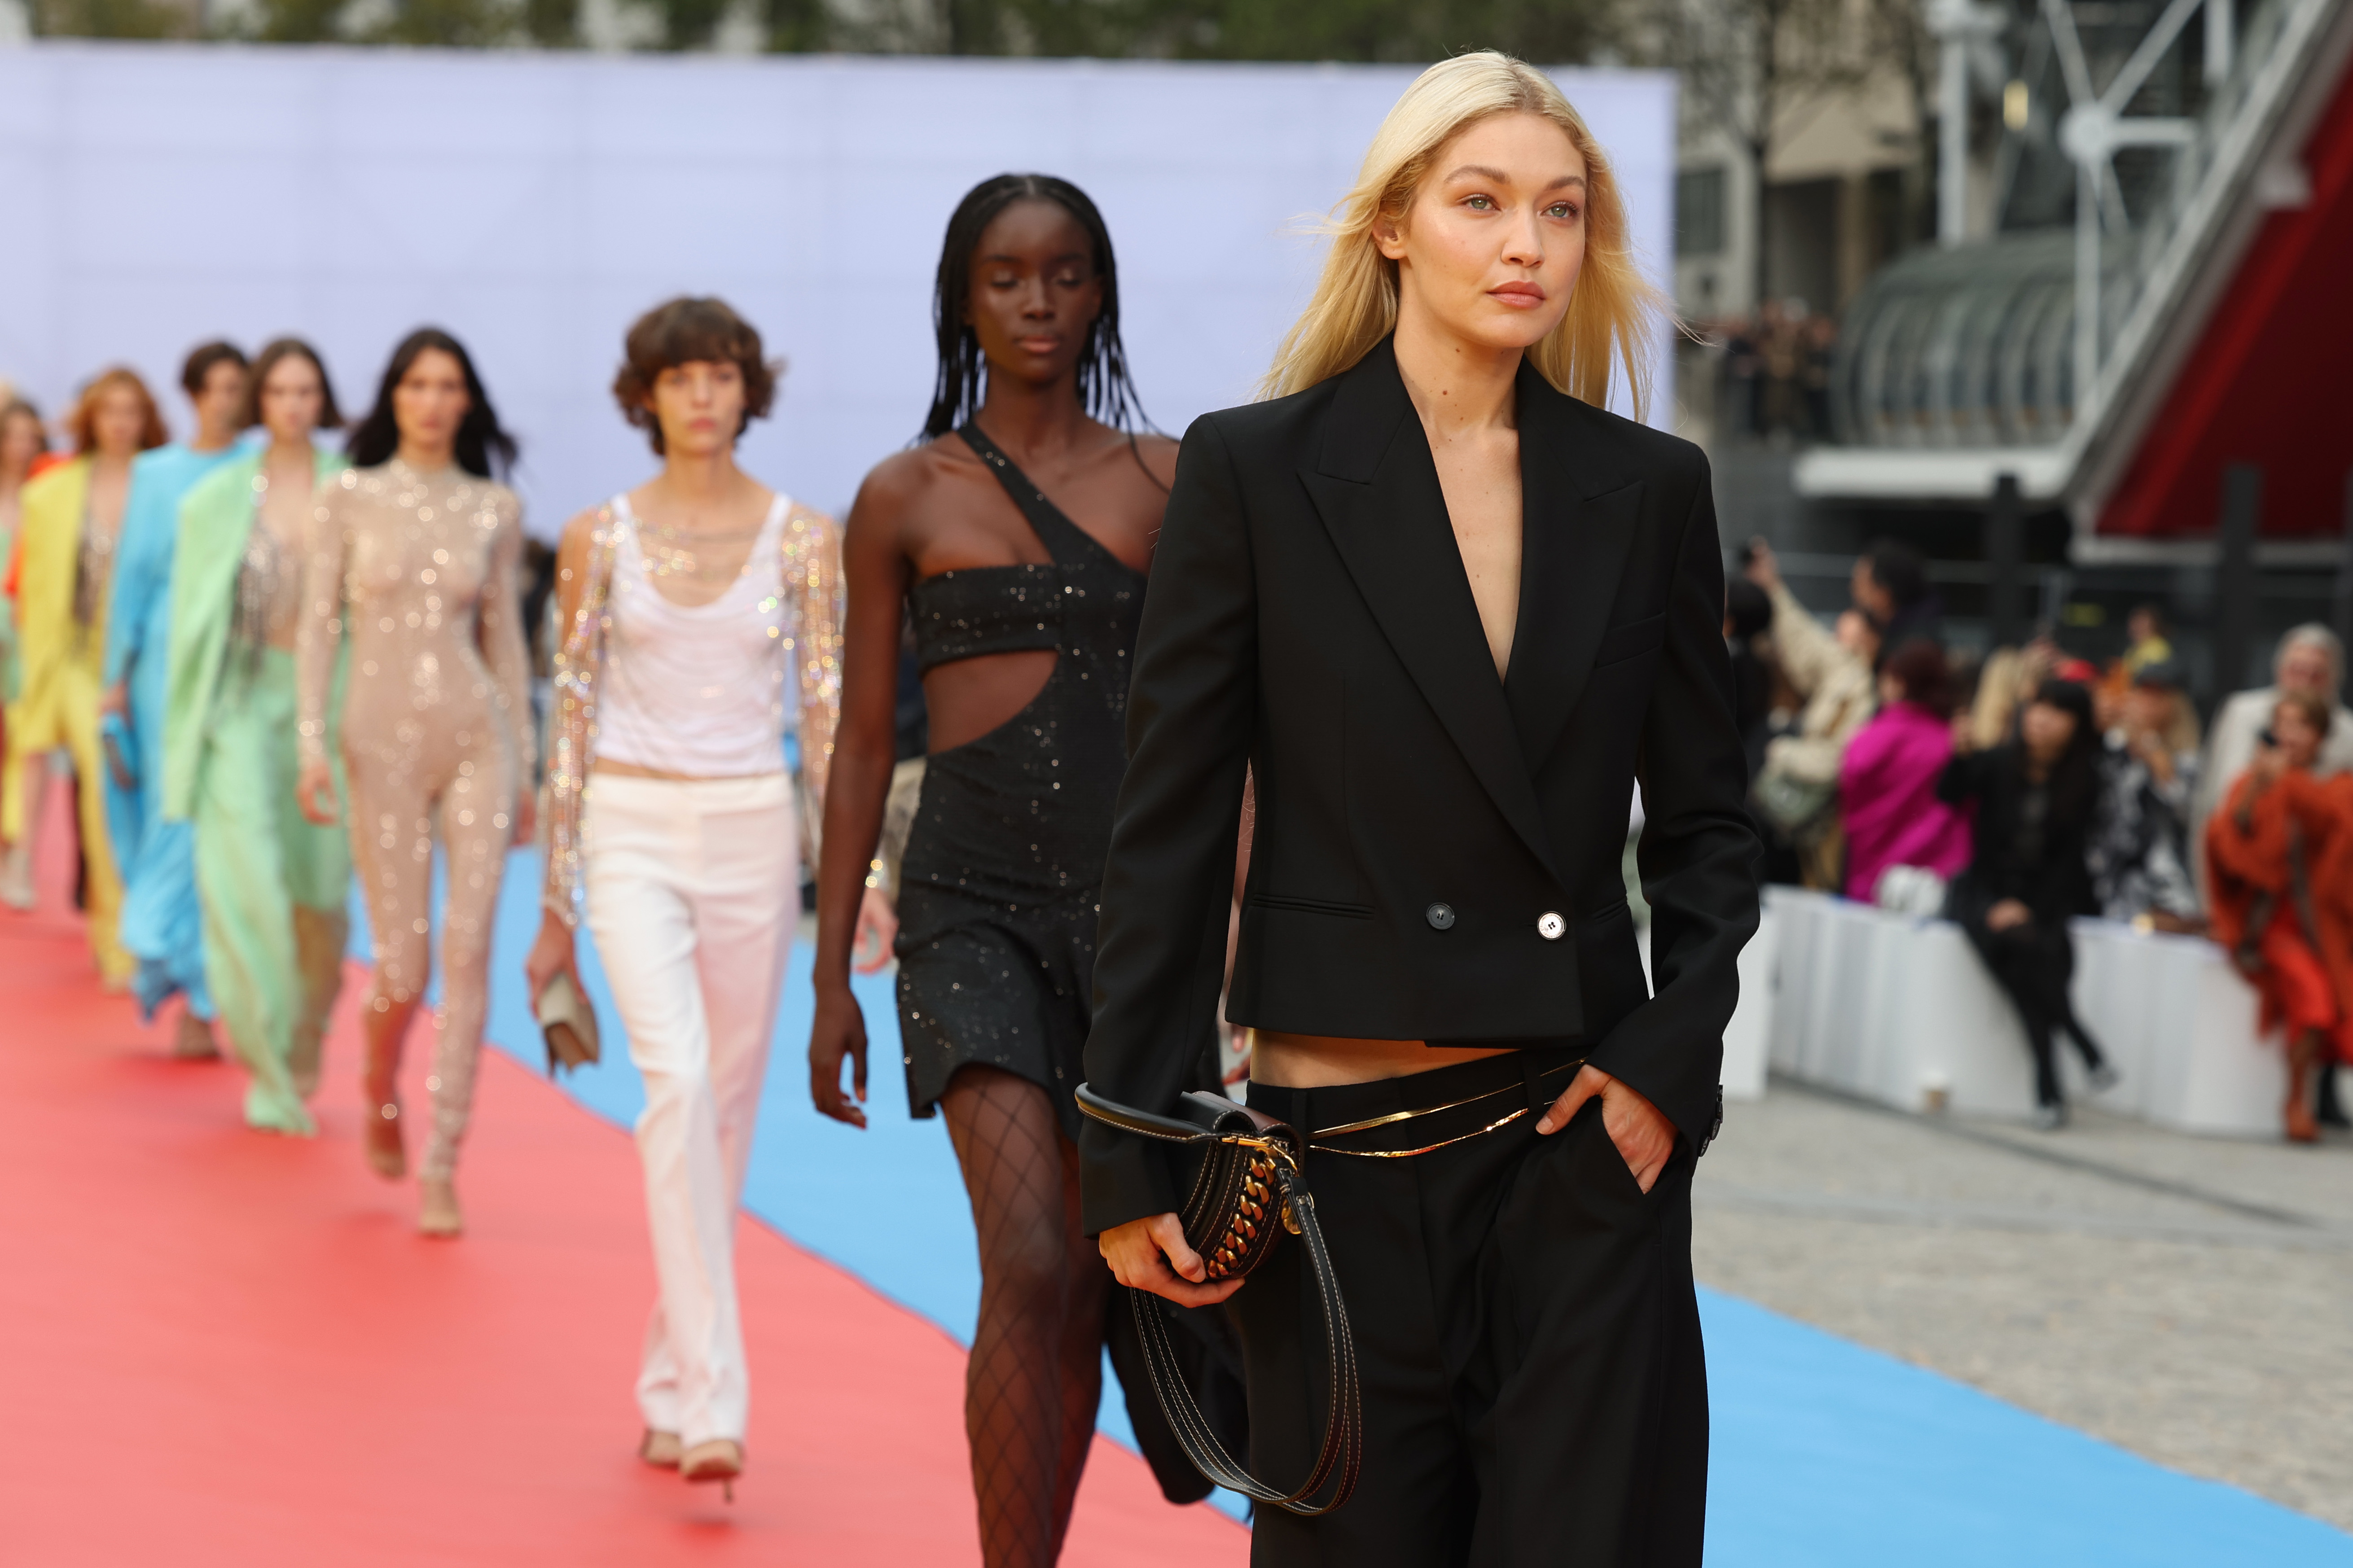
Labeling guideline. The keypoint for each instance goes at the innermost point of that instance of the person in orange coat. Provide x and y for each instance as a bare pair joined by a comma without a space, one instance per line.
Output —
2281,854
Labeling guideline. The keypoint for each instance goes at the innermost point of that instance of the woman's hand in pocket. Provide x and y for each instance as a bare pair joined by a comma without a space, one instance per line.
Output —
1644,1137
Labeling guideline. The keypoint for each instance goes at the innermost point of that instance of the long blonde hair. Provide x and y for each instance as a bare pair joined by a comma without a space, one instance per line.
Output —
1613,310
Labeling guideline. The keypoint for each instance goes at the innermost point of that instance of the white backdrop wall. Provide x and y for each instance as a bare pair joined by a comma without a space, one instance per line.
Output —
155,195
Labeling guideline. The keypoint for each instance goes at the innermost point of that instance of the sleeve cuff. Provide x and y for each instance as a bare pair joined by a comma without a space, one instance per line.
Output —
1121,1178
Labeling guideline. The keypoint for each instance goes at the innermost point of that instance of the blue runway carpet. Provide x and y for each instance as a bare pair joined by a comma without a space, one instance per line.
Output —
1825,1455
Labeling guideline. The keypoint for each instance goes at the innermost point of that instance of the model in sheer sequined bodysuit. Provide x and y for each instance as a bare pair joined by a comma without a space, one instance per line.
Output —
419,570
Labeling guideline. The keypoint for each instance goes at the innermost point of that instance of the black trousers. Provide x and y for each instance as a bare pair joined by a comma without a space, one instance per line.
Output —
1534,1390
2034,965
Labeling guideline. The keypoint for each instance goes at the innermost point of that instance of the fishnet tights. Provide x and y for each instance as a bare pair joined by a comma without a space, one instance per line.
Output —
1036,1372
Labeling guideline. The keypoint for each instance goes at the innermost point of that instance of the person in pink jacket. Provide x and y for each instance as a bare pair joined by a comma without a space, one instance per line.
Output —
1887,781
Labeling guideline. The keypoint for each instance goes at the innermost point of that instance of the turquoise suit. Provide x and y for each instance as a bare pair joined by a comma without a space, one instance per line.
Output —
162,924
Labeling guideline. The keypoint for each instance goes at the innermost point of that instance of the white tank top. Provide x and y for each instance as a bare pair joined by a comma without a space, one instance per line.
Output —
695,689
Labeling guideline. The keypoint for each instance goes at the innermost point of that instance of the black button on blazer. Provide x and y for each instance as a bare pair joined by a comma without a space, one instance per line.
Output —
1309,616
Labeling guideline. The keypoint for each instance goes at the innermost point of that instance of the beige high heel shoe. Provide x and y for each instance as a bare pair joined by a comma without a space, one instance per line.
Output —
387,1152
717,1460
195,1042
438,1214
16,888
663,1450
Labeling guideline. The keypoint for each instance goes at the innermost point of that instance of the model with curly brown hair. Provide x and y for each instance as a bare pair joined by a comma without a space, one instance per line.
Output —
702,617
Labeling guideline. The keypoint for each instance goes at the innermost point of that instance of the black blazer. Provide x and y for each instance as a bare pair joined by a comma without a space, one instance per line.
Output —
1437,853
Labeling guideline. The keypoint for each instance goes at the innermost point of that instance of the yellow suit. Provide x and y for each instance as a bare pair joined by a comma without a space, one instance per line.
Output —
57,703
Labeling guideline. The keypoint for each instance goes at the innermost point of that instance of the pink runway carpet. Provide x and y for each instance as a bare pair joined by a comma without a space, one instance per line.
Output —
229,1348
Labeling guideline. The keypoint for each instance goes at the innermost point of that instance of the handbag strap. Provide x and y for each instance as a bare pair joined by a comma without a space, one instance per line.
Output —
1340,1457
1342,1452
1143,1123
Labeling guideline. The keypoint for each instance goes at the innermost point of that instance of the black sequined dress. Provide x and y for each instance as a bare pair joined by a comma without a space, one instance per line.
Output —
999,890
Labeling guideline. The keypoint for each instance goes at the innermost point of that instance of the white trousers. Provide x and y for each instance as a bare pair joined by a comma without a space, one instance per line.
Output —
693,892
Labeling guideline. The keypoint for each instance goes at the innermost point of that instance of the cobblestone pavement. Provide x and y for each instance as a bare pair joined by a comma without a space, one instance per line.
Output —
2190,1298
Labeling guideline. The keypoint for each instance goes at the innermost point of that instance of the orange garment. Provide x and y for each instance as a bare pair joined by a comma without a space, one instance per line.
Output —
2304,971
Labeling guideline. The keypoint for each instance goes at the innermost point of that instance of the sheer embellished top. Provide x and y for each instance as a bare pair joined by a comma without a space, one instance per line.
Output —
421,571
802,614
695,689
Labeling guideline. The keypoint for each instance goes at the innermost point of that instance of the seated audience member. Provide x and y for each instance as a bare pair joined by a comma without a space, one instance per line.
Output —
1748,638
1887,784
2280,854
1796,790
2145,633
2310,659
2007,680
2027,876
2140,839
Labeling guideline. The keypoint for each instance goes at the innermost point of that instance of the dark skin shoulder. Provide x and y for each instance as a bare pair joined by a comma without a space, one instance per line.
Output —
933,509
938,507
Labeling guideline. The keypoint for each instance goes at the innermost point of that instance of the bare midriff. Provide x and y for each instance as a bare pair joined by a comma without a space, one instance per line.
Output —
1328,1061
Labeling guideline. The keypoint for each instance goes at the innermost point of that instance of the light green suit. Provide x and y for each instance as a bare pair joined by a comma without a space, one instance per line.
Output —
274,886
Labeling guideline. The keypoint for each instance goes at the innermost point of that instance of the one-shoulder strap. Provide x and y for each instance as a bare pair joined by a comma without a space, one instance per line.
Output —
1062,538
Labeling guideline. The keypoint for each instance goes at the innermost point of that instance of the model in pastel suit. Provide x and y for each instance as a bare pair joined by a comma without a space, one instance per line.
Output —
22,440
158,859
273,885
71,519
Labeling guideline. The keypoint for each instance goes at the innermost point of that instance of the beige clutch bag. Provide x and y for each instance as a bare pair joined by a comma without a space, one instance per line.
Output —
568,1024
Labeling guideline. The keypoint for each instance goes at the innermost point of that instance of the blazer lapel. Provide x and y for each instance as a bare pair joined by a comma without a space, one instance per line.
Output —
1578,510
1376,489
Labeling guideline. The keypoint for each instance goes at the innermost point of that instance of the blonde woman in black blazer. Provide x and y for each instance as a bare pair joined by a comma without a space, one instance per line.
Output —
1448,611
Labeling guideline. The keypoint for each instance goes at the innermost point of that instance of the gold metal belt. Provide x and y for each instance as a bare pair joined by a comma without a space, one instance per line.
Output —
1315,1139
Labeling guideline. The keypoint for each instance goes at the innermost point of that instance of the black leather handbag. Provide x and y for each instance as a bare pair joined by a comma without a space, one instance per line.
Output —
1243,1188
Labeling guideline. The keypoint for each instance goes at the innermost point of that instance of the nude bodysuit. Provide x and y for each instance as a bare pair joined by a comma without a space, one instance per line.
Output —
421,569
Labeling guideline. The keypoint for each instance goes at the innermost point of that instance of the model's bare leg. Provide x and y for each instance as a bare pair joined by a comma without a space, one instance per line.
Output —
27,783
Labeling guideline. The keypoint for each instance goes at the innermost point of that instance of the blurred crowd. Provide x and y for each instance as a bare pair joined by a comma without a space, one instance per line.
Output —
2014,793
1775,373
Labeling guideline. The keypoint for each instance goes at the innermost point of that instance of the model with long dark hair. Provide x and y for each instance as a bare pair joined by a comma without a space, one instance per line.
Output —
413,553
2029,873
1446,610
1025,609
